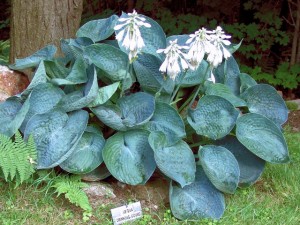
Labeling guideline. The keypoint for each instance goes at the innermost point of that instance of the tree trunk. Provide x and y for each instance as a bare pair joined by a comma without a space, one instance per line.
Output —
296,37
36,23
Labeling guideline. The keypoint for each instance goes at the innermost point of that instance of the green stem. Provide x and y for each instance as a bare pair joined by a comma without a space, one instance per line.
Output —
126,75
185,104
177,88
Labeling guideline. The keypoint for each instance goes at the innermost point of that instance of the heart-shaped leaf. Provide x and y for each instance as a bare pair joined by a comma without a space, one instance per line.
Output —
98,30
221,167
111,60
73,48
263,99
129,157
167,120
214,117
46,53
100,173
87,154
198,200
177,160
56,135
262,137
246,82
251,166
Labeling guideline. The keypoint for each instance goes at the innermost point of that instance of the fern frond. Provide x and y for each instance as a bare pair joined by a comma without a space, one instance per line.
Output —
72,187
17,158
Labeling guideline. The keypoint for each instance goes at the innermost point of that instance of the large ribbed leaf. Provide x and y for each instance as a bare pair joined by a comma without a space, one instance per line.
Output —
56,68
79,99
111,60
150,78
45,53
262,137
228,73
56,135
251,166
100,173
104,94
175,160
167,120
154,37
220,166
44,97
129,157
110,115
76,76
87,154
130,111
198,200
12,115
214,117
224,91
246,82
263,99
98,30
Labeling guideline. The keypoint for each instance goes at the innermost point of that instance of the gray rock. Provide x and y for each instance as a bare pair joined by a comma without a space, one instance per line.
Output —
99,189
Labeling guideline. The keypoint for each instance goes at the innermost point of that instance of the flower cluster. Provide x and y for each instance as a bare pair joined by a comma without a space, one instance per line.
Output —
202,42
129,33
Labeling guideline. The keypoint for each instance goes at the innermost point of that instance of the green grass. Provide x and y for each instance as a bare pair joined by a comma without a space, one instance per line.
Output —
274,199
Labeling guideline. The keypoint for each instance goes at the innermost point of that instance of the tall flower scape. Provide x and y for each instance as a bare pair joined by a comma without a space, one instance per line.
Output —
195,117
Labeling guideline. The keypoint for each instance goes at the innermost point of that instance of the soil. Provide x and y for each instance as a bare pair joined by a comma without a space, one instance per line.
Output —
294,120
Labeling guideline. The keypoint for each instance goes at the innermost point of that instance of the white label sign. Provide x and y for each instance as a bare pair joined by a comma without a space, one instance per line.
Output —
126,213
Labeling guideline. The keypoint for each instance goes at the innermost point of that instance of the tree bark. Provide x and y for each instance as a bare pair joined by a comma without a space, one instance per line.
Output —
296,37
36,23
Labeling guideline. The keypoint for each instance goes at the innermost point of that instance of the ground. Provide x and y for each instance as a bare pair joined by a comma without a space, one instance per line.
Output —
294,120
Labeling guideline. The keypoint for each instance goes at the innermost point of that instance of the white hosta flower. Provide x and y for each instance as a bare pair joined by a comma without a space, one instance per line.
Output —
212,78
199,45
175,60
130,33
218,51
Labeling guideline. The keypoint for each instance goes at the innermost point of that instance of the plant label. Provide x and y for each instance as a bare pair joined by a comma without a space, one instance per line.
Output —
126,213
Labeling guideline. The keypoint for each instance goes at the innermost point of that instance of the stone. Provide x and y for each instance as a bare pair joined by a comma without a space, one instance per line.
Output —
11,82
99,189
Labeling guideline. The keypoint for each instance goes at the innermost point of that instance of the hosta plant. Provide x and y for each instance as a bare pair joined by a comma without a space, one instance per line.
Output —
125,100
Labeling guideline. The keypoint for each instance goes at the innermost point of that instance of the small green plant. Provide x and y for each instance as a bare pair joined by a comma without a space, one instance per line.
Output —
147,101
4,52
17,158
292,106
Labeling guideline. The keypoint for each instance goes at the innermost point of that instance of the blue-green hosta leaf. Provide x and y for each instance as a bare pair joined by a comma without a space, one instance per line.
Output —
214,117
234,47
82,98
262,137
12,115
251,166
175,160
136,109
129,157
110,115
56,138
220,166
194,77
76,76
246,82
100,173
154,37
198,200
44,97
98,30
87,154
46,53
104,94
56,69
167,120
181,39
228,73
150,78
224,91
111,60
73,48
39,77
263,99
